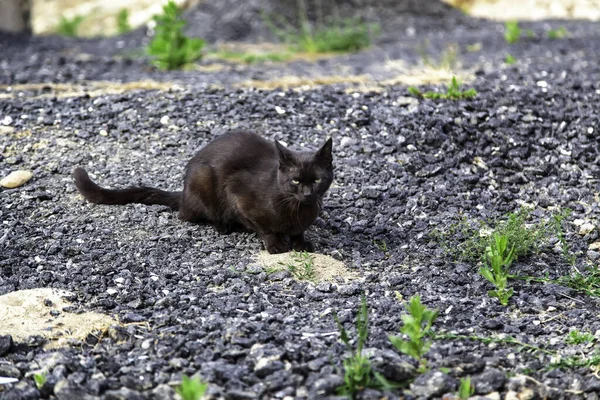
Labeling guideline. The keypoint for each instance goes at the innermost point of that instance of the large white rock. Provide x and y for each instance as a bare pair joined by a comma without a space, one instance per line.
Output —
16,179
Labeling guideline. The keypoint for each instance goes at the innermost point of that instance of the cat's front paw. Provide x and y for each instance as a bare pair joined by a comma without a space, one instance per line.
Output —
277,248
304,245
276,244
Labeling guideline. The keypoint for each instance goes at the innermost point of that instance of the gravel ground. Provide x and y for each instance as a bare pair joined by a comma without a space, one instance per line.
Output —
194,301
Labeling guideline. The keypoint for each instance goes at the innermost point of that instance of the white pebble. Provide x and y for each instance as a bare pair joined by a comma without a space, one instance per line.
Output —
7,120
279,110
165,120
586,228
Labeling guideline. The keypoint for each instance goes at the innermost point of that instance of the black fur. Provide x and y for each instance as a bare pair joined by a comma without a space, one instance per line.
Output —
241,180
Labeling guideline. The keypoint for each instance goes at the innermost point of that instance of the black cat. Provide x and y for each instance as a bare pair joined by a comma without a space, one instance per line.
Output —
240,180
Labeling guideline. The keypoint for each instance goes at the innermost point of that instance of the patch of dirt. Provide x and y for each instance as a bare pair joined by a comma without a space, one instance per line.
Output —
361,83
327,269
91,88
34,312
530,9
100,16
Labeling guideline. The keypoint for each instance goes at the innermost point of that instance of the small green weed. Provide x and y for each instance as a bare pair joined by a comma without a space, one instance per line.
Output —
448,59
170,48
40,379
414,91
559,363
468,243
570,362
510,59
123,21
466,389
358,373
557,220
453,92
381,245
272,269
475,47
416,325
559,33
588,283
302,267
347,35
191,388
500,340
499,258
576,337
69,27
526,240
512,32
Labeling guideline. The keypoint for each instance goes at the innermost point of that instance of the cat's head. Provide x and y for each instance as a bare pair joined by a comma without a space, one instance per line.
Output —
305,175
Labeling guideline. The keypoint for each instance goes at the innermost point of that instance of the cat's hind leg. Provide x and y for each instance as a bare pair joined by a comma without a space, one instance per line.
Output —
199,199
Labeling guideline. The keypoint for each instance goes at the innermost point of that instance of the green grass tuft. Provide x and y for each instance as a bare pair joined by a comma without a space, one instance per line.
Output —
559,33
510,59
123,21
453,92
302,267
69,27
465,389
358,372
416,325
191,388
557,220
576,337
337,36
170,48
40,379
499,258
512,32
468,243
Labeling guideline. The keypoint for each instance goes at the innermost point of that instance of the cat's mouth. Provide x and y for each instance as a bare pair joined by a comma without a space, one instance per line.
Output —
306,200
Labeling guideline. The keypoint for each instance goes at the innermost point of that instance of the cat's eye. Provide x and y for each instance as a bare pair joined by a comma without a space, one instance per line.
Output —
295,182
318,180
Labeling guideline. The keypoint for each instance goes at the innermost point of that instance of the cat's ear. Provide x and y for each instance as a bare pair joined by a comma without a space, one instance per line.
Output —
324,154
285,156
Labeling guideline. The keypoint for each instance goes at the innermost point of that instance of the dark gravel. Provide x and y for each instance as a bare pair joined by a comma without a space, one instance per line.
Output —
402,170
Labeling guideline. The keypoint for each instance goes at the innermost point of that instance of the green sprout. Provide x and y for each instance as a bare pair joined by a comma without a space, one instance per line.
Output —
416,326
69,27
191,388
512,32
170,48
499,258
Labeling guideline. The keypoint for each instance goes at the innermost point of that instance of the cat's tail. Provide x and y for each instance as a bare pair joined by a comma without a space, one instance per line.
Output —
143,195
